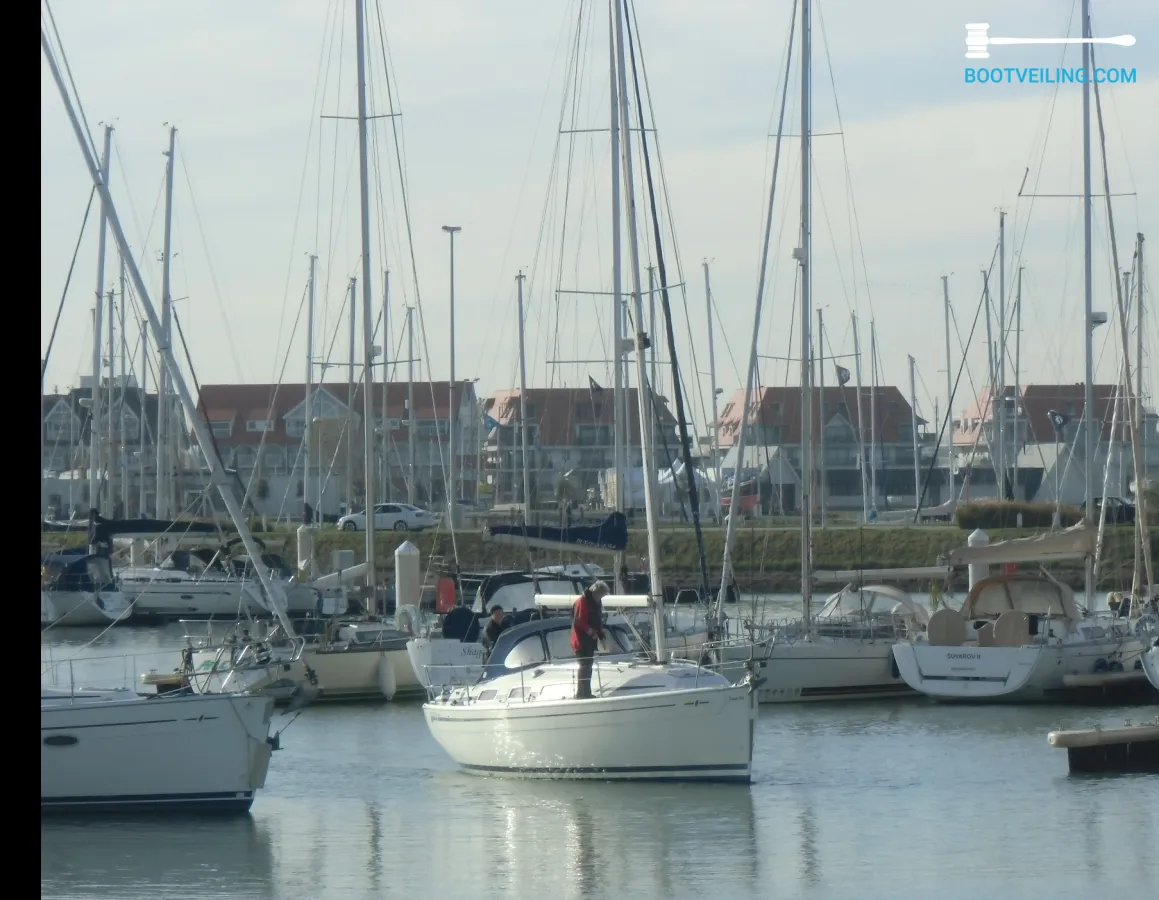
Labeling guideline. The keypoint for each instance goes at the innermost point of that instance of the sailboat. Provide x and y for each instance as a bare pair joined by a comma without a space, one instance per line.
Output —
117,750
651,717
1151,664
844,651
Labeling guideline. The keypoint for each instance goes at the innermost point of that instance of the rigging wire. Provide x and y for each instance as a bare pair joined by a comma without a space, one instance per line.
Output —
64,292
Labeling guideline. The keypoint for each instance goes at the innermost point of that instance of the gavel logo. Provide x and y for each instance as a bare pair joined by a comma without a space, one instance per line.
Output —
978,40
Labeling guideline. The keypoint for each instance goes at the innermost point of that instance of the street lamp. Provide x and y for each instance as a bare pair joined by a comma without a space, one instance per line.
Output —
452,487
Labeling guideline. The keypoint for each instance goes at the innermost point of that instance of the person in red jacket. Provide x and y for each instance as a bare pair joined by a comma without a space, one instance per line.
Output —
587,629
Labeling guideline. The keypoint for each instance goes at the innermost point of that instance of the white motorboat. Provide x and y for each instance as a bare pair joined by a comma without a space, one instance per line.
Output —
114,750
845,653
1016,638
79,589
647,720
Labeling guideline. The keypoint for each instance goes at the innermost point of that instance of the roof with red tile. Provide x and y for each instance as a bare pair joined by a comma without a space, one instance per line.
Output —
1037,402
559,413
781,406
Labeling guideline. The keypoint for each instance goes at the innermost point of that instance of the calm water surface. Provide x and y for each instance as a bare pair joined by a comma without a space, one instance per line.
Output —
891,800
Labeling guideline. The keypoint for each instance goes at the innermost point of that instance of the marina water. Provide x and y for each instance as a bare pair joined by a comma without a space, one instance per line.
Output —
849,800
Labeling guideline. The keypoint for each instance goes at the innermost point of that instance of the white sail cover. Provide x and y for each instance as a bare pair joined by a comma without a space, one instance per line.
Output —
1073,543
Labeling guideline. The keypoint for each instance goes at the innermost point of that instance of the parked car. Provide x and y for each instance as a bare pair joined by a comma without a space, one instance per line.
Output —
391,517
1119,511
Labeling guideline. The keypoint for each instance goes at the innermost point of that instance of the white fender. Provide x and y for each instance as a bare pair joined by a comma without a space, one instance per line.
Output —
386,680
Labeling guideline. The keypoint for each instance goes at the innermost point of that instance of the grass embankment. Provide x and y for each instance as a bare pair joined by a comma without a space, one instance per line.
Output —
764,559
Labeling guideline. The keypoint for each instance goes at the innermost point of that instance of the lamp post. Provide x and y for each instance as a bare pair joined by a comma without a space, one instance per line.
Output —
451,487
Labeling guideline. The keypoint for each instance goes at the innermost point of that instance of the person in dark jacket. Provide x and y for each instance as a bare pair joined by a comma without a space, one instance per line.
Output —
494,628
587,629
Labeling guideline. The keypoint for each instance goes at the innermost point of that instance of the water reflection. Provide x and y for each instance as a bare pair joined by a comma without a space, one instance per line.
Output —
152,857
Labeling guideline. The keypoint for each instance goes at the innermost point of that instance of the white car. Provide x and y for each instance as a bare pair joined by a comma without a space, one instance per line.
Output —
391,517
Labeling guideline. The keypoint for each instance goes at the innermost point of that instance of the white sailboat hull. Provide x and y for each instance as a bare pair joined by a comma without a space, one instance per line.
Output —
126,752
83,608
1035,672
1151,666
696,734
207,599
823,669
445,663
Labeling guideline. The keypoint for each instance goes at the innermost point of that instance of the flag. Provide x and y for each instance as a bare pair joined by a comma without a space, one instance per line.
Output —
842,376
593,386
1058,420
489,423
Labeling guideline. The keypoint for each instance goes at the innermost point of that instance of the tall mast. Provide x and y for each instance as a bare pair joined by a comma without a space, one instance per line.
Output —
951,491
1017,376
162,435
992,382
806,314
620,427
1139,349
820,357
200,427
142,419
652,379
308,406
111,442
646,448
1089,424
1000,369
122,457
872,419
913,401
523,404
453,487
350,400
860,422
384,456
95,395
712,387
411,488
367,313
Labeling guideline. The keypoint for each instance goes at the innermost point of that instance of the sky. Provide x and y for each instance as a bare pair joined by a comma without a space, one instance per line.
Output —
911,166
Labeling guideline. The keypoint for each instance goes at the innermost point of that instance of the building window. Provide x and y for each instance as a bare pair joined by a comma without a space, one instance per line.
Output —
259,425
295,427
221,429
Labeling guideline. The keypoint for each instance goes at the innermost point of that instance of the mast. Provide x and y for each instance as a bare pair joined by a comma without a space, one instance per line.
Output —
652,359
95,394
820,354
1088,309
913,400
162,435
111,443
411,488
121,455
749,386
200,428
142,396
1142,545
620,426
712,387
656,588
872,419
350,401
523,404
992,385
384,478
1017,375
367,312
860,422
951,491
453,488
803,260
1000,369
308,406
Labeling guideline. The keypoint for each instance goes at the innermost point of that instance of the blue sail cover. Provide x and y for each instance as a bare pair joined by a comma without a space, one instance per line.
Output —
610,536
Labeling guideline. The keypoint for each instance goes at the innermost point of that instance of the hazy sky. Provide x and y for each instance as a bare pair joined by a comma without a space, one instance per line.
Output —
925,159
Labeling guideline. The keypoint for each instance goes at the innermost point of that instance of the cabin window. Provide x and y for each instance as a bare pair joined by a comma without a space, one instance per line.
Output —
525,653
487,695
515,694
559,644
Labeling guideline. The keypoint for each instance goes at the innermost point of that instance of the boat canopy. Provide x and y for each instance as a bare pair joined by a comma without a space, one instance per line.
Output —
1072,543
871,601
990,597
76,572
608,536
546,640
